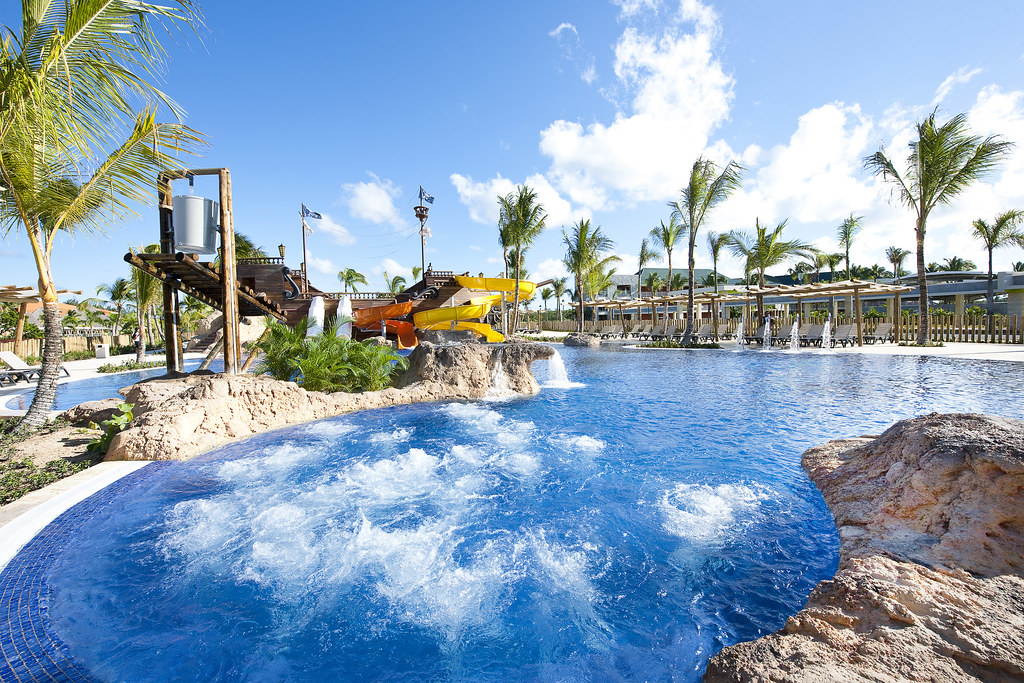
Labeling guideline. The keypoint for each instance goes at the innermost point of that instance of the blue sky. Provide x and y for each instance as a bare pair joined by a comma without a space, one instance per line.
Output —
602,107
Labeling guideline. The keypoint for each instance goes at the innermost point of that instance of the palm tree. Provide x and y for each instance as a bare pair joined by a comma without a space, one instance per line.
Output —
955,264
559,284
706,189
944,161
1018,267
833,261
798,271
546,294
394,284
66,95
666,237
763,250
846,231
647,254
146,290
654,282
416,270
716,241
585,248
118,293
246,248
521,220
350,277
895,256
1002,232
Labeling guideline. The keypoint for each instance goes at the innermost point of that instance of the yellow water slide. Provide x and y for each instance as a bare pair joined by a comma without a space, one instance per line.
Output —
464,317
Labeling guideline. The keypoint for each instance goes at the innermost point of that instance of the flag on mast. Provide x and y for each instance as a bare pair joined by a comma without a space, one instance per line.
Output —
306,230
311,214
424,197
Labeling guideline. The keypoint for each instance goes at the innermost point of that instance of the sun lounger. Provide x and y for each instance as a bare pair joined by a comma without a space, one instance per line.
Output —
845,334
611,331
783,336
724,333
667,334
9,376
23,369
645,332
705,333
882,333
635,331
812,337
657,331
757,337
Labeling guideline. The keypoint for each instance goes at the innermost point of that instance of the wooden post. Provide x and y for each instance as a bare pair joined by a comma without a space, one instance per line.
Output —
172,343
19,328
897,318
859,316
227,273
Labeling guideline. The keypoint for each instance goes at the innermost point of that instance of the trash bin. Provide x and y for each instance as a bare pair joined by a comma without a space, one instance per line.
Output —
103,350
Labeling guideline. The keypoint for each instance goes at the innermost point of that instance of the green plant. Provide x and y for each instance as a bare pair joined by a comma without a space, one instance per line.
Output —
874,314
78,355
18,477
130,365
118,422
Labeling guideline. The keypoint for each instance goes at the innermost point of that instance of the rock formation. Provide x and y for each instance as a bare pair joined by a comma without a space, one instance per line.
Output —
587,340
930,584
181,417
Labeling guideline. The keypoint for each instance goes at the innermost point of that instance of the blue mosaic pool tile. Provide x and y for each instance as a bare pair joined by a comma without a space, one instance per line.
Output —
30,651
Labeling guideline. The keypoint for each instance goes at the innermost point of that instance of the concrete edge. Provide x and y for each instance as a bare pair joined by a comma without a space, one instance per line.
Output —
22,519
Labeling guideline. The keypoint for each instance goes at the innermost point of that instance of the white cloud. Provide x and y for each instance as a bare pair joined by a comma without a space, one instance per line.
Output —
958,77
321,265
564,26
338,233
482,197
680,95
392,268
549,268
630,8
373,201
474,247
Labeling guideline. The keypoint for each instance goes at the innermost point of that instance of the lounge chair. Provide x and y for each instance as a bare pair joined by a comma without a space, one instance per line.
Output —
645,332
9,376
812,335
611,331
667,334
704,333
882,333
23,369
844,334
635,332
724,333
783,336
656,332
758,336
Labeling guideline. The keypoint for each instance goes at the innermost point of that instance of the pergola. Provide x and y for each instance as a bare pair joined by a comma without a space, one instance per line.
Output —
24,296
854,288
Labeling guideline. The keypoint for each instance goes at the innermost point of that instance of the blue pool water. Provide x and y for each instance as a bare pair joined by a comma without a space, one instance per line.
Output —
626,529
70,394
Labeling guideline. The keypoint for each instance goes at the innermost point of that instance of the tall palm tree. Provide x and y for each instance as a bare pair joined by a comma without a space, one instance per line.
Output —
764,249
955,264
666,237
944,161
654,282
706,189
119,292
71,83
716,241
895,256
416,271
833,261
558,285
246,248
1002,232
394,284
845,233
350,277
585,248
546,294
146,290
647,255
521,220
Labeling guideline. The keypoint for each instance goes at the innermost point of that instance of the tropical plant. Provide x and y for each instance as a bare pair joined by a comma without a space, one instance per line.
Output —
944,161
845,233
1018,266
119,293
654,283
763,249
678,282
246,248
955,264
546,294
895,256
394,284
833,261
558,285
70,83
146,289
585,251
521,220
711,281
109,428
350,277
1002,232
666,237
705,190
416,270
798,272
716,241
647,255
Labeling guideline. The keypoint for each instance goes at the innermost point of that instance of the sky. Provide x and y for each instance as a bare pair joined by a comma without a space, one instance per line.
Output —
601,107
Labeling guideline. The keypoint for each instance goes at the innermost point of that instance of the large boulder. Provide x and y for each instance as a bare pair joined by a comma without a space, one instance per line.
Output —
591,341
178,418
930,584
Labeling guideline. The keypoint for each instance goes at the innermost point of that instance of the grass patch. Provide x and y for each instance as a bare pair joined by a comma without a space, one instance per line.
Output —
130,365
669,344
18,477
935,344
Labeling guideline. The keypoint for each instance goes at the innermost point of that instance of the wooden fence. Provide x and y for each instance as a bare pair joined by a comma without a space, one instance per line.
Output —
34,347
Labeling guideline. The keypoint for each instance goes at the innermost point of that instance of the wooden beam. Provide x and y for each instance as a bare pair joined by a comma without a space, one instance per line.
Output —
172,334
860,317
228,275
150,269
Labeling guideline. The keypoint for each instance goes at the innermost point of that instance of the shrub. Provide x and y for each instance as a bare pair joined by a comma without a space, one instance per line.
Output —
130,365
108,428
18,477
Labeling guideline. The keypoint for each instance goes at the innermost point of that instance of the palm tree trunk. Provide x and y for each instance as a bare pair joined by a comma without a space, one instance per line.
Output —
990,296
515,300
689,296
923,329
53,351
579,303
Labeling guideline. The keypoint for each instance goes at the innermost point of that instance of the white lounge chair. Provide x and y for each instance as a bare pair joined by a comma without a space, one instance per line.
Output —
23,369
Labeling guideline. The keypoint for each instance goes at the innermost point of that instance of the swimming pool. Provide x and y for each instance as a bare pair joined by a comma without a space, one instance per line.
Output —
628,528
70,394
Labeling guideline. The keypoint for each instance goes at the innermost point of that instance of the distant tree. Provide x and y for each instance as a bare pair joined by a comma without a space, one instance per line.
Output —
1018,267
558,285
763,249
654,282
934,267
416,270
119,293
846,231
944,161
394,284
647,255
350,277
958,265
711,281
716,241
833,261
705,190
798,272
678,282
895,256
666,237
546,294
585,252
521,220
1004,231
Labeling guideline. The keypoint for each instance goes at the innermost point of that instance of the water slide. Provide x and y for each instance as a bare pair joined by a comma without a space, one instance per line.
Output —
372,317
464,317
404,331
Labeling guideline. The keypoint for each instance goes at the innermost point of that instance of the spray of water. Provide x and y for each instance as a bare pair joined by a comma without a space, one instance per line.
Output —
794,336
557,376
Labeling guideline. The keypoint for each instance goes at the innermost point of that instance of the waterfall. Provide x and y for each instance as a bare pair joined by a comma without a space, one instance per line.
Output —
739,333
826,334
499,382
794,335
557,377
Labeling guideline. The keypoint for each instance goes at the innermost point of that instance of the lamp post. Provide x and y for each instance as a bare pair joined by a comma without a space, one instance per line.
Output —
280,250
421,214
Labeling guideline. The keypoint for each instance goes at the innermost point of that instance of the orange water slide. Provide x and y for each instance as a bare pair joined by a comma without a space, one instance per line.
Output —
370,318
405,333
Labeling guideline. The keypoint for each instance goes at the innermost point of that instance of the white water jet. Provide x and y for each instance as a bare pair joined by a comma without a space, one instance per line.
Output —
500,387
558,377
739,333
826,334
766,337
794,336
